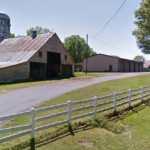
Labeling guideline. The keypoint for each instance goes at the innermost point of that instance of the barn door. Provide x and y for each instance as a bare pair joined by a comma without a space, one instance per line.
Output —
37,70
110,68
53,64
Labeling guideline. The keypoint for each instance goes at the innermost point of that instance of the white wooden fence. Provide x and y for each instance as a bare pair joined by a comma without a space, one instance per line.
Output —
128,97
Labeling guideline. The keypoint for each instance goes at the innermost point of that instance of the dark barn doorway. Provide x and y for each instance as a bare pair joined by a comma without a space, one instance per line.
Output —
37,70
110,68
53,64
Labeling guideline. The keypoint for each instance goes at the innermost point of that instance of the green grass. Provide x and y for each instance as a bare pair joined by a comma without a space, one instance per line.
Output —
88,92
134,136
25,84
89,75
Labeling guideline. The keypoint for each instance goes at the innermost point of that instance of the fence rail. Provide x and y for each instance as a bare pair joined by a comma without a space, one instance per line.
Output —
125,97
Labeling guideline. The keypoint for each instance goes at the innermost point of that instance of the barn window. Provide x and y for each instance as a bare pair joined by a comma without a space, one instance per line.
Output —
40,54
65,57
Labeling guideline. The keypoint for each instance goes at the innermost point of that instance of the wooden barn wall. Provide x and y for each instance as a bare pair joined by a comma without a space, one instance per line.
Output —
13,73
52,45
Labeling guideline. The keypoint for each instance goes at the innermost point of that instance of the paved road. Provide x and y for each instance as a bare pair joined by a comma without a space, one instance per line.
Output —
24,99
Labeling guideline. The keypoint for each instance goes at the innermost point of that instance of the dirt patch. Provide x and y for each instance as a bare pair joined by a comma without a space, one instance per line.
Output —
86,144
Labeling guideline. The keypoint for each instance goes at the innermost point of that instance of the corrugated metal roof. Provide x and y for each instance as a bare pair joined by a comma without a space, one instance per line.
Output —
18,50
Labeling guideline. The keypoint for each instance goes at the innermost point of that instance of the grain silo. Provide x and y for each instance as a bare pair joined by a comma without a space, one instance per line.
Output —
4,26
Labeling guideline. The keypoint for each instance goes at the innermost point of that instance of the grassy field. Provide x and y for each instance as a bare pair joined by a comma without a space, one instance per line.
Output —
80,75
14,86
135,136
109,137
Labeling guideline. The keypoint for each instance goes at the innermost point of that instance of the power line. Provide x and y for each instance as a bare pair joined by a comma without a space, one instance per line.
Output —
99,32
120,8
114,47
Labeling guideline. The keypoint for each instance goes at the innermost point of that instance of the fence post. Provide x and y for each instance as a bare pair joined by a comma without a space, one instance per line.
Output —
129,98
32,124
95,107
69,113
115,103
142,94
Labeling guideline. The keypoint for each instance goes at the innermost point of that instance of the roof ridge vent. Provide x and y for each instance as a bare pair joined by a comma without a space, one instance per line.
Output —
34,34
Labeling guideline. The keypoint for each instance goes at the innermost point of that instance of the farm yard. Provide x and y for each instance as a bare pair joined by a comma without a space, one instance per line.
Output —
72,77
127,130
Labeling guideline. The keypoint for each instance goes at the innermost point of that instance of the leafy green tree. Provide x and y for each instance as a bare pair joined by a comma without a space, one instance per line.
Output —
142,33
78,48
12,35
39,30
139,58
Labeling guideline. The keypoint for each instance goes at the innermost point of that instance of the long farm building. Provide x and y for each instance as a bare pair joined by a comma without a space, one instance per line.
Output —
106,63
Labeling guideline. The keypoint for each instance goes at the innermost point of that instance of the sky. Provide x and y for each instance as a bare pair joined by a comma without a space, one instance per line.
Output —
80,17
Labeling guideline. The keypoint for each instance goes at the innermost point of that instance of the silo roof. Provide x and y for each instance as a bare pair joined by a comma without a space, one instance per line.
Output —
4,16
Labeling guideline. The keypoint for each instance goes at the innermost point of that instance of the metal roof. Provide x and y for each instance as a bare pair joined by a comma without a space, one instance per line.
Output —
18,50
114,57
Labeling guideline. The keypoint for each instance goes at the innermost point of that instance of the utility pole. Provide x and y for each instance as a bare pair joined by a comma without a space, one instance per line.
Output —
86,51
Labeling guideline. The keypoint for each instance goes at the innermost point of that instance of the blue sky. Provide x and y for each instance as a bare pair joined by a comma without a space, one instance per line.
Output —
80,17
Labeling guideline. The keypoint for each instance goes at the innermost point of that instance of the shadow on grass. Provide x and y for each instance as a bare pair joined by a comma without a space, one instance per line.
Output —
81,126
128,111
72,132
35,80
32,144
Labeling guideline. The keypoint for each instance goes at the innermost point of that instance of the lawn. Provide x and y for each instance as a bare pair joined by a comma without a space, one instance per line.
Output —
14,86
101,89
134,136
80,75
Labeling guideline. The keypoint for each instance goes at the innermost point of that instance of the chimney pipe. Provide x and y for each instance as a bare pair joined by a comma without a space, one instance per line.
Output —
34,34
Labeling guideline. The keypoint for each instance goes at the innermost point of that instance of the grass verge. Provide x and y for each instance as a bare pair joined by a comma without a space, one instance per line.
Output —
6,87
84,93
81,75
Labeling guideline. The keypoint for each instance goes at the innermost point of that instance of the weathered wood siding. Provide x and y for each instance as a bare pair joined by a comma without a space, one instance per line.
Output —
52,45
16,72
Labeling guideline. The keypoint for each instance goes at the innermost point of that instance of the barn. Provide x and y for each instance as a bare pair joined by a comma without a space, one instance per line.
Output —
102,63
34,57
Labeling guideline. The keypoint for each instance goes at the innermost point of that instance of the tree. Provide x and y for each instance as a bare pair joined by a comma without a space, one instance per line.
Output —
139,58
12,35
78,48
39,30
142,33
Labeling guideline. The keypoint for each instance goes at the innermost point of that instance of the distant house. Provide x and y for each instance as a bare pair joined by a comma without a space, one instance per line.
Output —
34,57
102,63
147,66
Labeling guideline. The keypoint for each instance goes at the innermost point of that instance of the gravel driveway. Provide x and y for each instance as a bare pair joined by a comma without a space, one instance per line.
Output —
24,99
